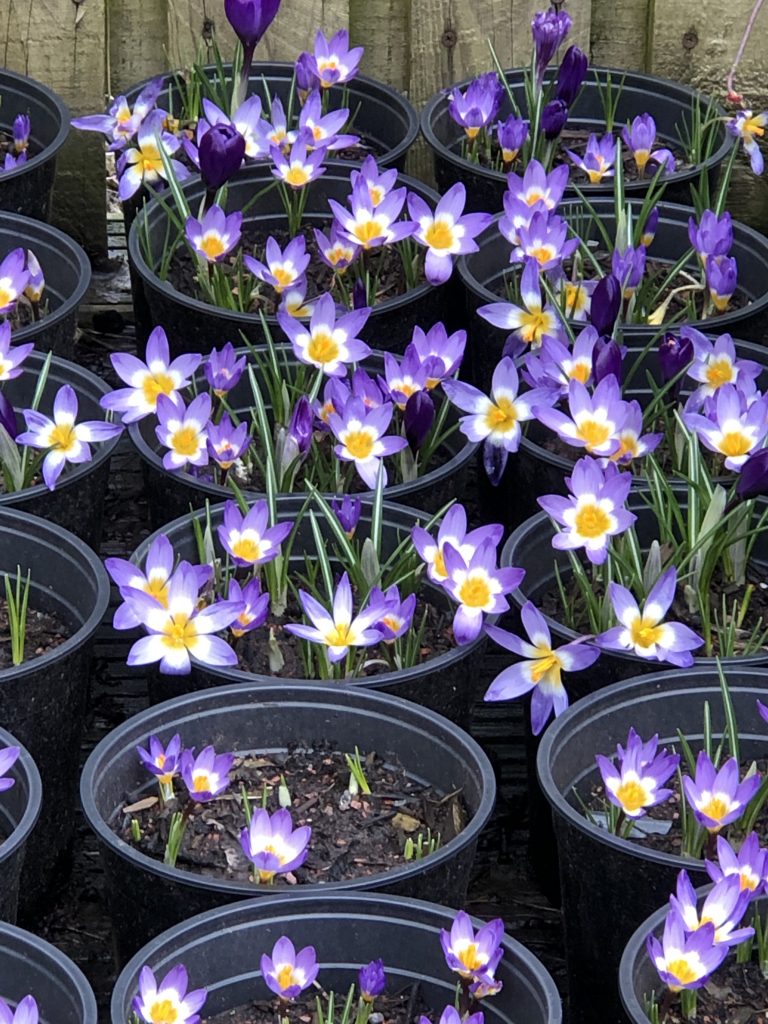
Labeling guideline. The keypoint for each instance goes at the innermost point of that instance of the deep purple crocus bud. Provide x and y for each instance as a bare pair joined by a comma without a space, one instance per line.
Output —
649,228
549,29
605,305
301,425
305,76
359,295
607,357
418,418
494,461
371,980
221,153
571,75
347,511
250,19
553,118
753,478
675,353
8,417
21,129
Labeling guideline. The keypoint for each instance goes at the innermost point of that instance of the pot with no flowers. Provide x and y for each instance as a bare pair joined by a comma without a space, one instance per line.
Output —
375,953
39,982
20,797
34,124
55,596
372,594
349,789
678,790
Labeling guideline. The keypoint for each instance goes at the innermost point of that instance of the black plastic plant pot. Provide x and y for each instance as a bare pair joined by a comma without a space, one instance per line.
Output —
172,494
78,500
30,966
27,188
145,897
638,977
445,683
483,274
222,951
67,275
195,326
43,701
669,103
535,470
610,885
19,810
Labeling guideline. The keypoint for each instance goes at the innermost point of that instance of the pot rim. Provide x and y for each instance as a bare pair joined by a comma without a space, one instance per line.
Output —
28,820
621,693
232,319
664,87
346,699
271,907
33,86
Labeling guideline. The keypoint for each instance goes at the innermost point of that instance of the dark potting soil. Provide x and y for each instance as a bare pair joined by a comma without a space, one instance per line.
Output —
735,994
44,633
383,264
352,836
405,1007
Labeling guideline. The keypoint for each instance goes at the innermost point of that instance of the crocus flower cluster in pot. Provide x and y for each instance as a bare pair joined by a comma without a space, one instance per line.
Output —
22,285
14,145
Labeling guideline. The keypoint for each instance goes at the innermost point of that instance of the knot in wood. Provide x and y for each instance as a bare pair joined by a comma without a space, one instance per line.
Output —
690,39
449,38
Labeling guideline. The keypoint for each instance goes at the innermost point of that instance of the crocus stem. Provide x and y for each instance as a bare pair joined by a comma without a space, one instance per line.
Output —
733,96
176,834
240,89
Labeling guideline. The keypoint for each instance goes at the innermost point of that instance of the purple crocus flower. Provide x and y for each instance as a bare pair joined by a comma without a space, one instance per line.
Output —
593,421
477,106
731,427
220,154
8,418
226,442
369,225
549,28
121,123
335,249
712,236
633,443
305,74
249,539
61,437
162,762
451,1015
152,580
724,907
372,392
300,167
637,781
418,417
405,379
553,118
324,129
675,354
447,232
11,358
371,980
553,367
628,267
379,183
685,961
716,797
571,75
545,241
347,510
147,380
283,268
452,531
645,633
207,775
722,278
8,758
478,587
287,973
593,512
179,630
250,19
295,440
511,136
272,844
11,162
333,62
469,953
143,164
215,235
605,304
598,159
26,1012
437,347
538,189
531,322
223,369
183,430
338,629
640,138
169,997
360,433
254,605
397,615
716,363
327,343
541,671
753,478
749,128
14,276
246,121
275,133
749,865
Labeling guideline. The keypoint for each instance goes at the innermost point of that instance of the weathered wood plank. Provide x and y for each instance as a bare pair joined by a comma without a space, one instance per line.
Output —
138,41
619,33
384,29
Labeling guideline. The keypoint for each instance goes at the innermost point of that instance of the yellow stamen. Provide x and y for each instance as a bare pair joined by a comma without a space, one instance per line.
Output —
474,592
719,372
297,176
502,416
339,636
592,521
185,441
322,348
631,795
735,443
248,549
645,633
439,235
366,231
63,437
359,443
546,667
163,1011
212,245
179,632
593,433
155,384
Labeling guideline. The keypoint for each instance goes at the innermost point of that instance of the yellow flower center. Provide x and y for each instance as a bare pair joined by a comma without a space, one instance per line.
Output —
285,974
438,563
6,297
248,549
595,175
644,633
439,235
753,126
546,667
179,632
533,196
576,298
683,970
474,592
337,254
628,446
532,326
631,795
502,416
297,176
508,155
317,132
735,443
163,1011
642,156
359,443
472,132
201,783
719,372
470,958
339,636
157,587
715,808
282,276
366,231
151,161
322,348
542,253
592,521
212,245
376,192
185,441
580,371
155,384
63,437
594,433
391,623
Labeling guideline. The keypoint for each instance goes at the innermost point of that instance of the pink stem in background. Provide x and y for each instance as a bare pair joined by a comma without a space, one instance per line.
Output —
733,96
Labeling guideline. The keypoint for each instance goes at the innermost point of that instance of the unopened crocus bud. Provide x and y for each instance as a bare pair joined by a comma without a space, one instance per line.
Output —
36,283
649,228
418,418
21,130
675,353
359,295
548,28
220,153
571,75
301,425
606,360
722,276
494,462
553,118
605,306
371,980
305,75
628,267
347,511
511,135
250,19
753,478
8,417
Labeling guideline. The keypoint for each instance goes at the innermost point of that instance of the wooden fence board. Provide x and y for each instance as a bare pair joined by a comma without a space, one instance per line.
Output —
138,41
